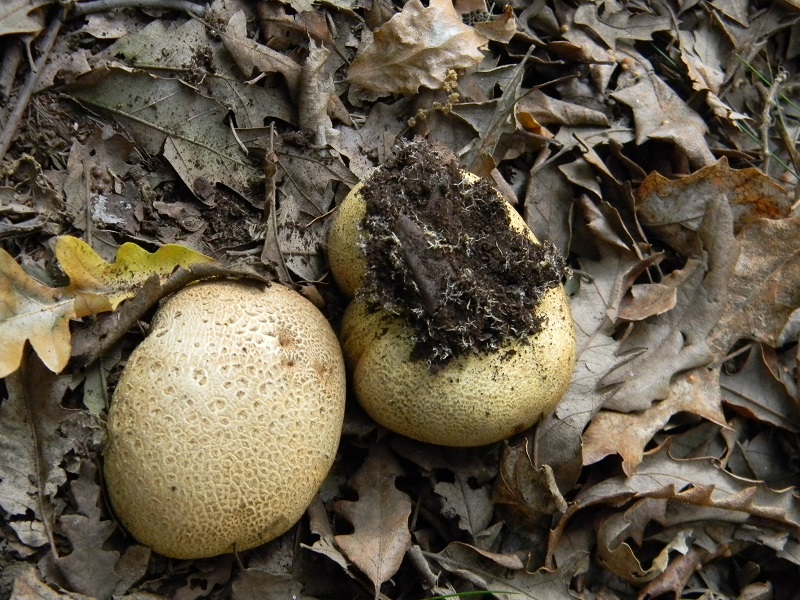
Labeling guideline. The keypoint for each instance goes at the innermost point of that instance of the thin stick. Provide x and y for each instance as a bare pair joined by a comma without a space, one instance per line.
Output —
766,120
26,91
84,8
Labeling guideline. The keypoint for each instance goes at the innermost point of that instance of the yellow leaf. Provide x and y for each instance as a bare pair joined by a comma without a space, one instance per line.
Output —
32,311
119,280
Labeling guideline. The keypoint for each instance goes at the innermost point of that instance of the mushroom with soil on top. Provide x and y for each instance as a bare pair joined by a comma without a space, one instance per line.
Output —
460,332
225,421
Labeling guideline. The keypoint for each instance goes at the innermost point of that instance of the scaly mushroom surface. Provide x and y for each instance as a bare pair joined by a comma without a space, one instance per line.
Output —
225,421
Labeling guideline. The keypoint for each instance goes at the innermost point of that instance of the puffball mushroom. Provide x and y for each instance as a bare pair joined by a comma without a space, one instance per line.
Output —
473,399
225,421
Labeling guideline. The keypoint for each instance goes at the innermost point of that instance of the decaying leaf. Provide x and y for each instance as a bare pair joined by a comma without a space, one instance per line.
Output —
676,341
166,115
415,49
15,16
31,311
254,58
660,114
379,518
764,288
155,48
648,300
530,493
89,568
90,201
538,107
18,490
461,479
319,526
756,390
480,570
696,391
28,586
620,24
674,209
692,498
594,309
499,29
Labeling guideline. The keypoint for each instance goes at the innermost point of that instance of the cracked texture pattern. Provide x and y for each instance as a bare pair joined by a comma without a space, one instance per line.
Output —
476,399
225,421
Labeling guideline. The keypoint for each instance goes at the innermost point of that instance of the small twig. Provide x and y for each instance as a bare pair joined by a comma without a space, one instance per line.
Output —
25,93
85,8
12,59
766,119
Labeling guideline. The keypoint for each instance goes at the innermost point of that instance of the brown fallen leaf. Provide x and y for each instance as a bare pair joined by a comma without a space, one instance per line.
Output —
20,16
319,525
660,114
315,91
21,497
28,586
253,58
702,496
461,479
647,300
414,49
170,117
627,434
676,341
500,28
674,209
256,583
756,391
529,493
486,573
620,24
541,108
764,288
90,568
379,517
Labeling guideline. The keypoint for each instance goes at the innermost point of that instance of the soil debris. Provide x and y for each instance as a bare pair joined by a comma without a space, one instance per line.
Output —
443,256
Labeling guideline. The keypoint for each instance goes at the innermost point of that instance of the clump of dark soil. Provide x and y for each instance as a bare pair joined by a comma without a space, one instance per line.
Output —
442,256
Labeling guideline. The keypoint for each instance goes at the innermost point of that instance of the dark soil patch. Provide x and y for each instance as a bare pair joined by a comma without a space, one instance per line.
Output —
443,257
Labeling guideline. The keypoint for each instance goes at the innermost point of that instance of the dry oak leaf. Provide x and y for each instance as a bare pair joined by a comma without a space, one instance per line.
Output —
416,47
32,311
764,289
558,436
674,209
253,58
627,434
660,114
620,25
379,517
15,16
90,568
171,117
698,485
757,391
662,346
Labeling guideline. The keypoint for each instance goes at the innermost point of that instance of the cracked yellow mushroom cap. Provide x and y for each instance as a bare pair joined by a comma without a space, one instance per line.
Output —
225,421
474,399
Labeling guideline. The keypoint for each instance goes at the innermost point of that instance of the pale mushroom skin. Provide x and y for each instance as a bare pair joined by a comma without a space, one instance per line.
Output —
225,421
474,400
